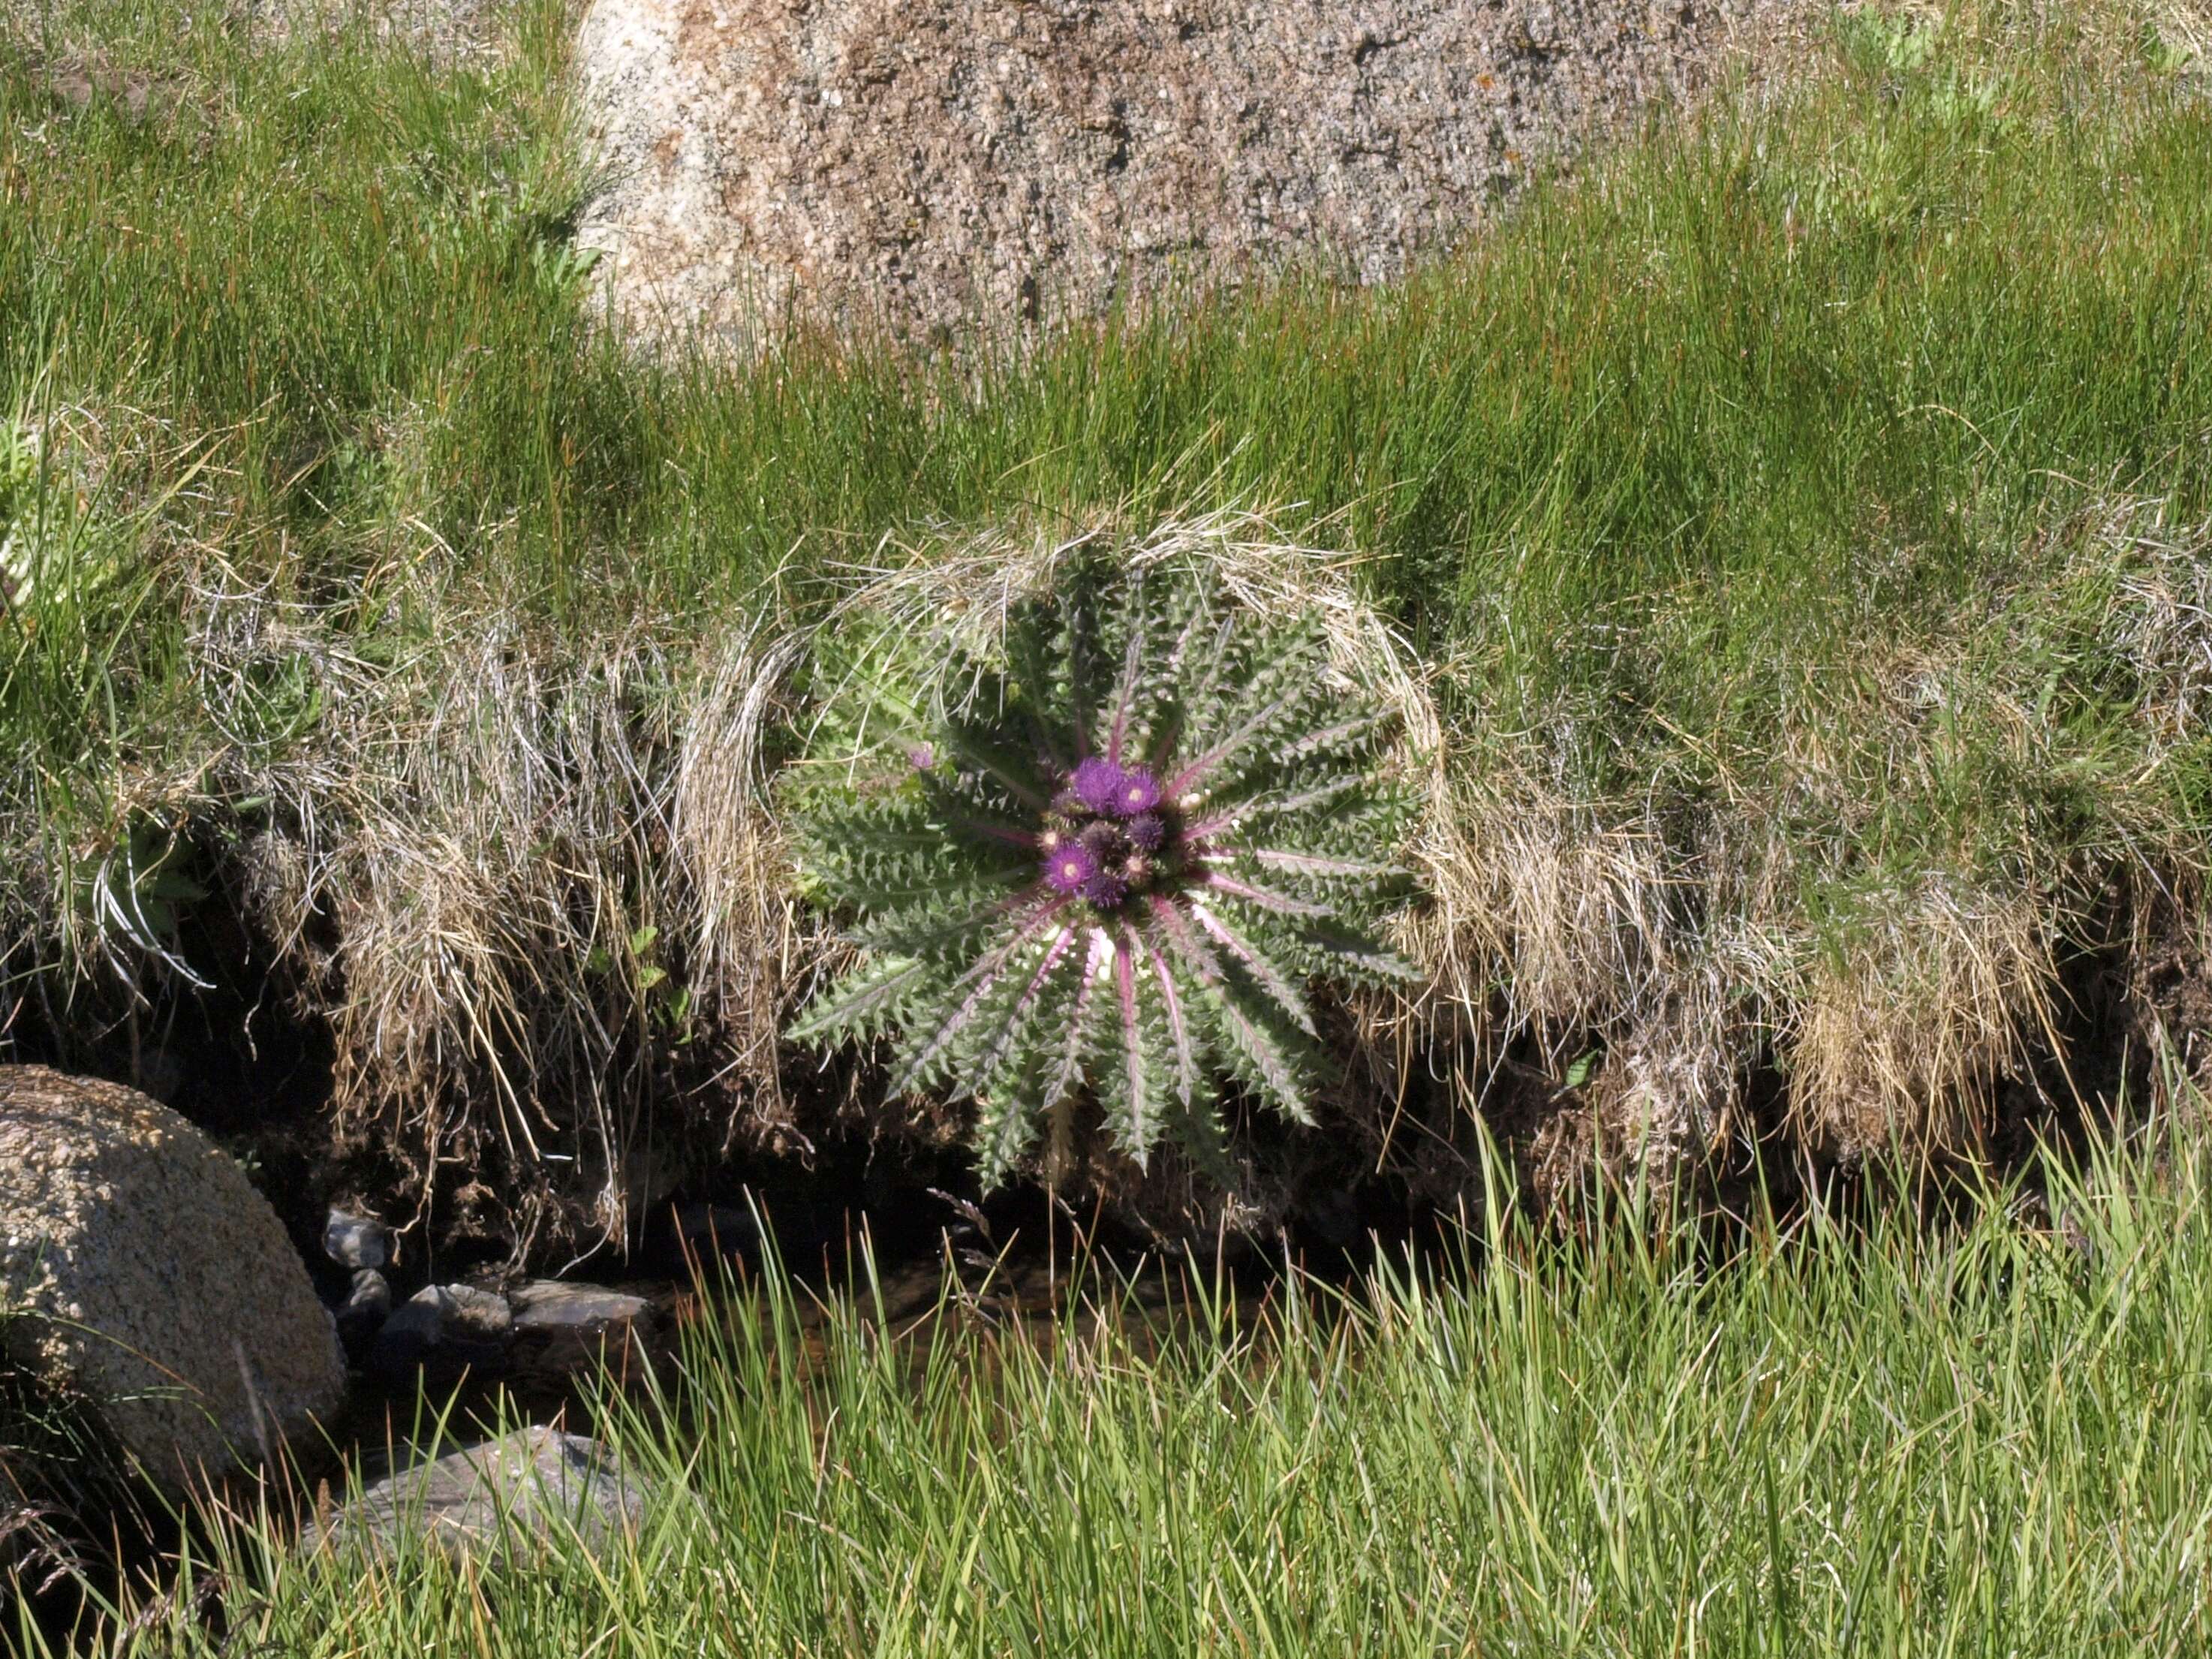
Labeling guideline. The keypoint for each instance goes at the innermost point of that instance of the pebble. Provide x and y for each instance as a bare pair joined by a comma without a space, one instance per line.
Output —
356,1240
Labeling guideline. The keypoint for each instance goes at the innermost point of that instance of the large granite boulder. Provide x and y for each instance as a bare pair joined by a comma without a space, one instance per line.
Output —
160,1288
938,166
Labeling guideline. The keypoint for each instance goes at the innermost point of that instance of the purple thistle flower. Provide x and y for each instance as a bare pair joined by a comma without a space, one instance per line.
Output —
1136,791
1071,869
1148,830
1105,890
1098,783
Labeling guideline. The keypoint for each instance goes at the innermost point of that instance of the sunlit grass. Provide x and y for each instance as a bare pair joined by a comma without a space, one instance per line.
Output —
1670,452
1818,492
1983,1439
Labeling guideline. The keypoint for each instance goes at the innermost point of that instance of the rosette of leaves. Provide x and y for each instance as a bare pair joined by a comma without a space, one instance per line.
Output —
1107,861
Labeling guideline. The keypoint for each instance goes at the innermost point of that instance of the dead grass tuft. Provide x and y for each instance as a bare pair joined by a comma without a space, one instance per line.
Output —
1900,1038
538,896
749,939
1685,945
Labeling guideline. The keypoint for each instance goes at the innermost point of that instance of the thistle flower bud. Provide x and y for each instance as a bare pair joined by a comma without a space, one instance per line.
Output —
1105,839
1105,890
1098,783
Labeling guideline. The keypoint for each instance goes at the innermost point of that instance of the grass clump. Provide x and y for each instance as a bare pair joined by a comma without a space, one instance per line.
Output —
1796,524
1974,1439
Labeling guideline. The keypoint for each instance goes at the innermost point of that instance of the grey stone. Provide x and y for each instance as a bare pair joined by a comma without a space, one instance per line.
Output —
363,1313
549,1305
370,1295
160,1287
939,169
356,1240
498,1503
561,1329
415,1318
469,1314
445,1327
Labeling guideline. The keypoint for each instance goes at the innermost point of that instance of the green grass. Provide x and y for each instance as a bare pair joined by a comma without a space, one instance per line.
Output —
1979,1439
1804,510
1804,516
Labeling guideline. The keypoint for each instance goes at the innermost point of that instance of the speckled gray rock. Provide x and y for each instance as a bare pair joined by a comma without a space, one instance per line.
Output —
466,1311
362,1314
939,166
370,1296
550,1304
497,1501
161,1286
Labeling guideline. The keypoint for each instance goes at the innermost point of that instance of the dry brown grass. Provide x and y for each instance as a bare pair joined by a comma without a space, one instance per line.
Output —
751,940
514,882
1900,1041
1680,944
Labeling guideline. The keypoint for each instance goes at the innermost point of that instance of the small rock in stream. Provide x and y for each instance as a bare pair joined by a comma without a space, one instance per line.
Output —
444,1326
469,1313
561,1329
356,1240
549,1304
363,1312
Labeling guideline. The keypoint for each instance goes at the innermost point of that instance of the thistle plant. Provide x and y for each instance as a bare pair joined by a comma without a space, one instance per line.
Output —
1107,862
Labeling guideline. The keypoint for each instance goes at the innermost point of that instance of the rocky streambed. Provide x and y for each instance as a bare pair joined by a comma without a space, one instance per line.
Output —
154,1301
152,1294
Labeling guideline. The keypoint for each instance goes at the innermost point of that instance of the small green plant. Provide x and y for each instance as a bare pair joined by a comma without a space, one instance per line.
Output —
1108,863
19,479
52,557
135,891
